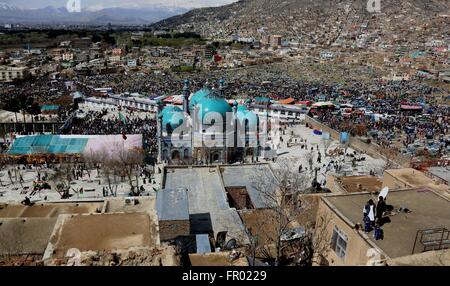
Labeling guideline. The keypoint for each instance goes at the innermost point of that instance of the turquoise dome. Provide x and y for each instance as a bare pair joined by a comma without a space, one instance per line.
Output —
242,108
172,115
173,120
213,104
170,108
199,95
243,113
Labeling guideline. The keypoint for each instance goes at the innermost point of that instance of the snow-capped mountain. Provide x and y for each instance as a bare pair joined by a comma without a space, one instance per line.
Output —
8,7
52,15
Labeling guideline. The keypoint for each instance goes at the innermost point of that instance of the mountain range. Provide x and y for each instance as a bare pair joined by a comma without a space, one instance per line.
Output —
10,14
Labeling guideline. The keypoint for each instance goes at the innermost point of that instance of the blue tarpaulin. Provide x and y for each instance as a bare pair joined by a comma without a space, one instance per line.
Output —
49,107
47,144
344,137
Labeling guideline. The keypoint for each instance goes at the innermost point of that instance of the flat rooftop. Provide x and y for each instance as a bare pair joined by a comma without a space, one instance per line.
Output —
130,205
355,184
48,210
172,205
246,176
428,210
25,235
102,232
429,258
442,173
411,177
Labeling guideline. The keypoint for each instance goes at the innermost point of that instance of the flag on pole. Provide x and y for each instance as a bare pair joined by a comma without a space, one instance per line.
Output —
122,118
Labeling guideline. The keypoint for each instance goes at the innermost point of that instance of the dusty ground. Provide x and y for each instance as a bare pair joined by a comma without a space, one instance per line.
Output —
104,232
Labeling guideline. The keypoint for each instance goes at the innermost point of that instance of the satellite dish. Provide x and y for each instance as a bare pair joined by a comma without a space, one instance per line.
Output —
384,192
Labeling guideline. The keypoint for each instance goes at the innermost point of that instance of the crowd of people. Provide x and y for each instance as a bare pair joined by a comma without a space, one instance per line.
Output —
99,123
376,97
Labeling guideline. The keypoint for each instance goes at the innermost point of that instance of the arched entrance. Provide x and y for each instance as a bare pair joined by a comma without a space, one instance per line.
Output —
176,155
215,157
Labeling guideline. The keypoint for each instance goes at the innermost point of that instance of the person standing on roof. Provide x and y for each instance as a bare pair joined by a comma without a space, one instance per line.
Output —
381,208
369,215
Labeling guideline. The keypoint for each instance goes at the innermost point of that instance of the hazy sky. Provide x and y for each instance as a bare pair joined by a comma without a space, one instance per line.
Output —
99,4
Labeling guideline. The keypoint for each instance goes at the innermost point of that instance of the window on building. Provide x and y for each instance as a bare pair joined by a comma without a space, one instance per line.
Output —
290,113
283,112
339,242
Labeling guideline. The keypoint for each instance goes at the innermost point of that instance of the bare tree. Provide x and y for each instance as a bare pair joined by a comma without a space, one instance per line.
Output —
310,159
62,177
131,162
326,145
282,193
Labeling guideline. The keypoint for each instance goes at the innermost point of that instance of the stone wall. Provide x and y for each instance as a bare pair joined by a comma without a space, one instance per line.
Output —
169,230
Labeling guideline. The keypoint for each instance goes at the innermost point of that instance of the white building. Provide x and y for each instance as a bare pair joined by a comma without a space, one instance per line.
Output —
132,63
8,74
68,57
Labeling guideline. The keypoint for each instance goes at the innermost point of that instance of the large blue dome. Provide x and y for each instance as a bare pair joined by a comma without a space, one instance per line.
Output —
199,95
210,104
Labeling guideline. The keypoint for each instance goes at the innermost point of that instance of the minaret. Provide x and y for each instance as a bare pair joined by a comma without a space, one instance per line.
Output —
235,127
224,125
186,94
159,135
222,88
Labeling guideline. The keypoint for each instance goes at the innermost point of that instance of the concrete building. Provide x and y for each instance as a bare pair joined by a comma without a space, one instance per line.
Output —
283,112
276,41
417,220
9,74
45,233
67,57
172,207
118,100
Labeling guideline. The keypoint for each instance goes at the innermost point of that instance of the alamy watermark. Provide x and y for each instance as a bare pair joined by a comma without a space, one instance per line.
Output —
73,6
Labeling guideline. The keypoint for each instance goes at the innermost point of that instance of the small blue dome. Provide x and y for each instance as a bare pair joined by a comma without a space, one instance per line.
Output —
244,114
170,108
173,116
242,108
213,104
173,120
